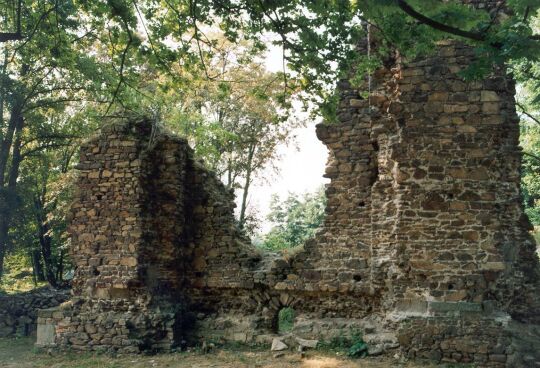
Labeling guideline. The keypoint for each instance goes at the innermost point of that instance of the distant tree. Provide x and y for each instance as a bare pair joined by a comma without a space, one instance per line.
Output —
530,173
296,219
235,120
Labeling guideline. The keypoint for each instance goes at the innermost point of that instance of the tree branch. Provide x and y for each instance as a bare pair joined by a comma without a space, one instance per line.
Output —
522,108
403,5
533,156
122,64
10,36
437,25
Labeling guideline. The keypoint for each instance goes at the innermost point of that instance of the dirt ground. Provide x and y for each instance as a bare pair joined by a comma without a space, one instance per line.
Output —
20,353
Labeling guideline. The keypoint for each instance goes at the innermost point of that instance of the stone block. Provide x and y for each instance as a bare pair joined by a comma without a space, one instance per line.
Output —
46,335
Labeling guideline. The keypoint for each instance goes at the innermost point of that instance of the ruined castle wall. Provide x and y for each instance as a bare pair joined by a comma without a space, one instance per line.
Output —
425,245
122,240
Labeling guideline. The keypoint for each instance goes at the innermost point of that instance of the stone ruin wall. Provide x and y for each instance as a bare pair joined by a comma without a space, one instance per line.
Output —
18,312
425,246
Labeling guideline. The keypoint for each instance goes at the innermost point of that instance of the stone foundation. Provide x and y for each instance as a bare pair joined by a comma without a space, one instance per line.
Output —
425,246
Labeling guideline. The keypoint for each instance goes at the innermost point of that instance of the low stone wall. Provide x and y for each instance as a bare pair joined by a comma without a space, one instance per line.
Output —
18,312
478,338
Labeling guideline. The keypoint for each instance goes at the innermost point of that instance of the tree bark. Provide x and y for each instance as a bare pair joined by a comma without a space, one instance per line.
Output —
45,240
60,268
247,183
37,266
7,192
12,140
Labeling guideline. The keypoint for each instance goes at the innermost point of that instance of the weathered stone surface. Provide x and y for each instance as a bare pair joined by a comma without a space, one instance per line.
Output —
312,344
18,312
45,335
278,345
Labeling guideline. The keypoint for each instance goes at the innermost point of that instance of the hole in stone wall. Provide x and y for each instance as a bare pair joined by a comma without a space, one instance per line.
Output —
374,175
298,189
285,320
450,286
357,278
362,204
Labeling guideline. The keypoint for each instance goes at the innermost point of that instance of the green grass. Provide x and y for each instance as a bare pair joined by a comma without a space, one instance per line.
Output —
286,318
18,275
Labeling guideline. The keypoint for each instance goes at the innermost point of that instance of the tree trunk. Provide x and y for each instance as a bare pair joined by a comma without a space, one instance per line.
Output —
60,268
45,241
37,266
2,251
7,193
247,183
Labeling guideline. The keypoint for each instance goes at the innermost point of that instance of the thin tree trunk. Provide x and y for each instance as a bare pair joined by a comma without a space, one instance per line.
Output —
247,183
45,240
229,171
8,141
3,242
3,94
37,266
60,268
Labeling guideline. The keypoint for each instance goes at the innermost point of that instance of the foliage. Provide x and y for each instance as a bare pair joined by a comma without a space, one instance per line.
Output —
18,276
234,121
352,344
296,219
358,350
286,318
530,175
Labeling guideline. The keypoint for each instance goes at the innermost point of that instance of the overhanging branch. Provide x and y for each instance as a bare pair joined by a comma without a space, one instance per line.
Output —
403,5
14,36
437,25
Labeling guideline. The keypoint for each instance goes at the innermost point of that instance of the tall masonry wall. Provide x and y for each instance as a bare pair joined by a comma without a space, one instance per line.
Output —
425,247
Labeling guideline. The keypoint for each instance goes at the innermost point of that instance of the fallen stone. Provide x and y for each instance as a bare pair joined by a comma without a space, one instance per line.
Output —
278,345
375,350
279,355
312,344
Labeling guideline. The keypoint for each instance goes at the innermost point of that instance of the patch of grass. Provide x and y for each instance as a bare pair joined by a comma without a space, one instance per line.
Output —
286,318
18,275
351,344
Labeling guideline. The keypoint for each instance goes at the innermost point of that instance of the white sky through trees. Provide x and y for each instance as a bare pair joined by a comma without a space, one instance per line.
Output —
300,167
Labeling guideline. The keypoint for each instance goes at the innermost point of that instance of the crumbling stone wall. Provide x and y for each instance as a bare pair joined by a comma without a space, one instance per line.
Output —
149,226
18,312
425,245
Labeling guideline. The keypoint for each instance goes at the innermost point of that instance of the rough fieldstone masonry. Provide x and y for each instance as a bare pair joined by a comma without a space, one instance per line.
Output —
425,247
18,312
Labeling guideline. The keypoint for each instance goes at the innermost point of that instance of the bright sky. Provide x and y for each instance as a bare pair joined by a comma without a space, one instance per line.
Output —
301,165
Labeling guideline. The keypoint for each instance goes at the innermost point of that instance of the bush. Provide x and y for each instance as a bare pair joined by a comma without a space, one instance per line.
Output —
286,318
353,344
296,220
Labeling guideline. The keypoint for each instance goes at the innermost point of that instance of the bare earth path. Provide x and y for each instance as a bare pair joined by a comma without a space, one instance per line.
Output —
20,353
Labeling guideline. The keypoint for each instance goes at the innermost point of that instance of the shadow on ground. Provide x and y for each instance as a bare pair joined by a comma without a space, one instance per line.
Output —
20,353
